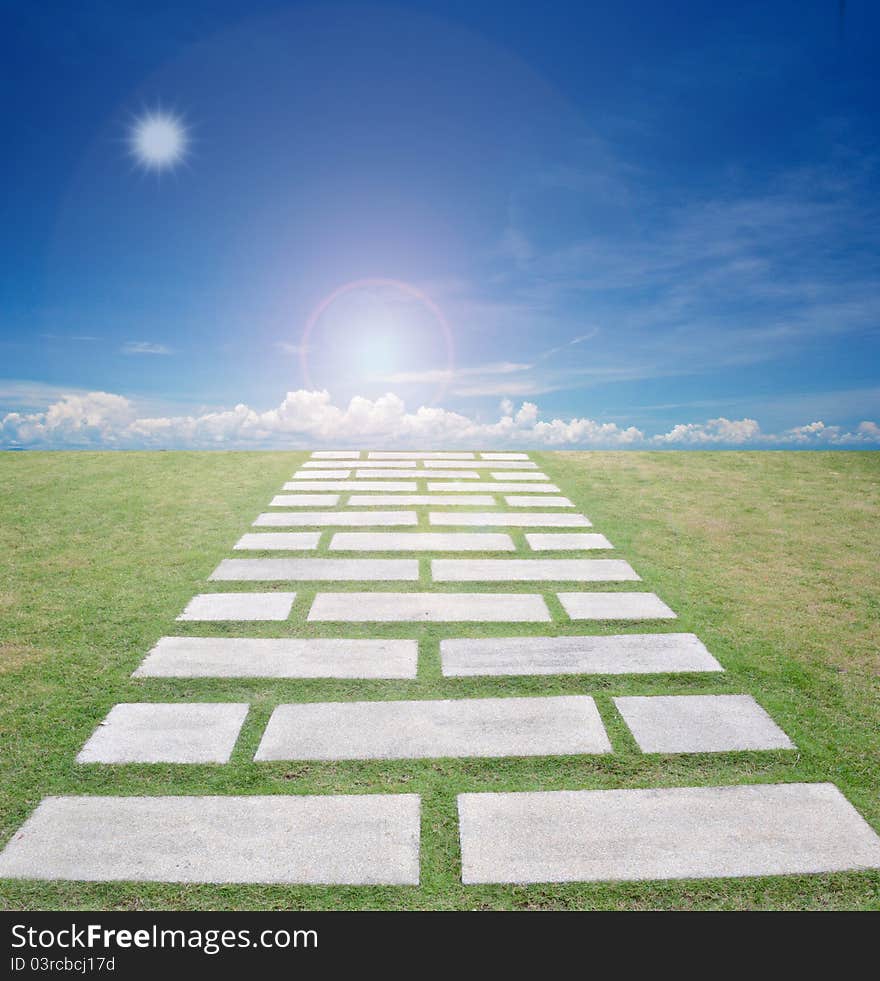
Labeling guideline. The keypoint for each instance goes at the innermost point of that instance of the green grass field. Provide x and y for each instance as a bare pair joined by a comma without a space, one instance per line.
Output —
770,557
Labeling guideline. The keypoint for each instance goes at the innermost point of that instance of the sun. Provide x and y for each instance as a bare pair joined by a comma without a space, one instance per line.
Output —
158,140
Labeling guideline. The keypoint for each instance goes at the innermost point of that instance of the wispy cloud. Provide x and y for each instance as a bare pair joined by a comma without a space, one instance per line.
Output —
286,347
144,347
308,418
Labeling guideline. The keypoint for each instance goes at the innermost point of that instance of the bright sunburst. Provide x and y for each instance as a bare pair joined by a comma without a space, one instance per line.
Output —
158,140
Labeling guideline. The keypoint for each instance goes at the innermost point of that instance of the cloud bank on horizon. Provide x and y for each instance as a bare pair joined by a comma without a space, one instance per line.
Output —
102,420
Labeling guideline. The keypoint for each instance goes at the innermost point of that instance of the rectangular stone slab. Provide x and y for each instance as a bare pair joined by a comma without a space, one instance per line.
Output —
280,541
488,518
304,501
364,485
538,502
367,839
700,724
420,541
336,454
504,456
467,727
662,833
288,657
239,606
155,732
595,654
429,607
349,570
415,500
532,570
421,474
567,543
321,474
341,518
407,455
323,464
496,488
484,465
615,606
525,475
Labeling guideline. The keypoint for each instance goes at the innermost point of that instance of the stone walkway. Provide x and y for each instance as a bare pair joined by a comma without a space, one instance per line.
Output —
449,514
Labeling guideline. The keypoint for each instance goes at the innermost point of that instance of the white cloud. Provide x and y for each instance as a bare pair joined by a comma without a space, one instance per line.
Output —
144,347
306,418
285,347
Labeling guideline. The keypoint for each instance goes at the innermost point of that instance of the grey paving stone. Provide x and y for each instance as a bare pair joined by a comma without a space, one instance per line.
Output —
321,474
323,464
420,474
415,500
472,727
594,654
532,570
513,520
368,839
662,833
430,607
155,732
566,543
279,541
700,723
239,606
422,541
407,455
615,606
524,475
516,501
324,518
495,488
304,500
504,456
363,485
336,454
287,657
349,570
486,465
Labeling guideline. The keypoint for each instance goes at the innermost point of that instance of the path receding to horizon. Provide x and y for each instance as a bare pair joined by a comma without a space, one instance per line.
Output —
459,541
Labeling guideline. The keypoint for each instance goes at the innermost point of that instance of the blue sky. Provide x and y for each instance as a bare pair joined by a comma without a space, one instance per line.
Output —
630,224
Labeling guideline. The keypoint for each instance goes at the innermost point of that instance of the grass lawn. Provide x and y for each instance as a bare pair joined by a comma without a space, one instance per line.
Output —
770,557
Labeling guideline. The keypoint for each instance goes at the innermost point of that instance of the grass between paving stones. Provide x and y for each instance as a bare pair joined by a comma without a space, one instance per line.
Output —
769,557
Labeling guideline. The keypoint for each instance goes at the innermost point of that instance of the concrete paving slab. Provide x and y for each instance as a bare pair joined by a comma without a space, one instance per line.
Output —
156,732
348,570
594,654
487,464
336,454
532,570
512,520
615,606
663,833
407,455
362,485
518,475
366,839
418,500
496,487
429,607
287,657
519,501
239,606
361,464
700,724
321,474
304,501
279,541
420,541
472,727
420,474
341,518
566,542
504,456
